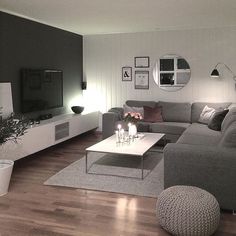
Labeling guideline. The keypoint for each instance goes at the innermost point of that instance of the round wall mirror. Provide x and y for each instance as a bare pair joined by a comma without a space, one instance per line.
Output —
171,72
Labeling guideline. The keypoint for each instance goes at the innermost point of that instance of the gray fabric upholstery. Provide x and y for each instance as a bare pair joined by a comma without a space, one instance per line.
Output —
229,118
201,130
200,134
229,137
176,112
168,127
143,126
194,139
197,108
109,120
210,168
135,103
118,110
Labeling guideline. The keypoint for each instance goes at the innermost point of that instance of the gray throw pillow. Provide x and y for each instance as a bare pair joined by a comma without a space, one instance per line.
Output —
217,119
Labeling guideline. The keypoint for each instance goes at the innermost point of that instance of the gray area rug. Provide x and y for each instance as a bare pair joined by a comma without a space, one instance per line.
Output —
125,168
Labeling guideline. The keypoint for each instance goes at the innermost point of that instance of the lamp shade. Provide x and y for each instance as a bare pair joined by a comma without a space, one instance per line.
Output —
215,73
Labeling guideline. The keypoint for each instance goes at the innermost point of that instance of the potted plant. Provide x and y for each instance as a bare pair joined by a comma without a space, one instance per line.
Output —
11,128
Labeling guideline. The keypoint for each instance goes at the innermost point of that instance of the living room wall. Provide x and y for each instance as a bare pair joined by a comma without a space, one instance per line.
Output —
28,44
104,56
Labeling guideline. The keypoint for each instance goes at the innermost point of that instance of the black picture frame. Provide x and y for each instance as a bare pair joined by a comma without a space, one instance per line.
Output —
141,80
126,73
142,62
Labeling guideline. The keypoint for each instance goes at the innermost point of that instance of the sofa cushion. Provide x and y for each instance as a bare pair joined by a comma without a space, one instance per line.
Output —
229,137
195,139
201,129
217,119
136,103
197,108
143,126
229,119
168,127
176,112
153,114
200,134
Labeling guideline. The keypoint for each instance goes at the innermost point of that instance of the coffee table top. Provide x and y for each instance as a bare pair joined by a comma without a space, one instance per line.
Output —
138,147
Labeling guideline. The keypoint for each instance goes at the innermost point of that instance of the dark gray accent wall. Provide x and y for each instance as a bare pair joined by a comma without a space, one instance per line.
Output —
28,44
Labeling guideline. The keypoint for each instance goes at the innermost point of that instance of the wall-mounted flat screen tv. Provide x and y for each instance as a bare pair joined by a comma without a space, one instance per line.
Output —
41,89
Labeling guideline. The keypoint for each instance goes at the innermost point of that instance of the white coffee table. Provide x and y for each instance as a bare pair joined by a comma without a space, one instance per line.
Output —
137,148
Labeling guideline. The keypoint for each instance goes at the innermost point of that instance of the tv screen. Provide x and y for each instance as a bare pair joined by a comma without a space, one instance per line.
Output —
41,89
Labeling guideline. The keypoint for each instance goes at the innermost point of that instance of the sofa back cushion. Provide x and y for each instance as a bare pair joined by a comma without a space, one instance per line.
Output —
197,108
176,112
229,119
229,137
136,103
153,115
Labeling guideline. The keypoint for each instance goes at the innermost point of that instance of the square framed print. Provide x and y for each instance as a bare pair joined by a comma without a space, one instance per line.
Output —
126,73
141,62
141,80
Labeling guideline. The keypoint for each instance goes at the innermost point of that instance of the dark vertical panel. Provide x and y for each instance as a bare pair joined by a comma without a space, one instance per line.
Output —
28,44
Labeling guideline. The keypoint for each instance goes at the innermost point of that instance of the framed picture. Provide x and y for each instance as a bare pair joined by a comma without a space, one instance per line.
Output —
126,73
141,79
141,62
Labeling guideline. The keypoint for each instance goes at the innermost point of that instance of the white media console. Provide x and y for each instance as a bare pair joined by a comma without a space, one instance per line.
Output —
48,133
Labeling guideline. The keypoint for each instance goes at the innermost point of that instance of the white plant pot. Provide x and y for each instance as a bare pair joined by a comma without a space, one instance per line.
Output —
6,167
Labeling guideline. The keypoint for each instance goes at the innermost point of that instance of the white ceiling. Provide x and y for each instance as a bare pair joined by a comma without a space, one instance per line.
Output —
116,16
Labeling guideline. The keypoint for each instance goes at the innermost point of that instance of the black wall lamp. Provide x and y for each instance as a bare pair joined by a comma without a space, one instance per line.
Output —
215,73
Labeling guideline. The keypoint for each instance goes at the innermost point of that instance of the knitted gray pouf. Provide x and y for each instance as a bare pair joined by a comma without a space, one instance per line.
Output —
187,210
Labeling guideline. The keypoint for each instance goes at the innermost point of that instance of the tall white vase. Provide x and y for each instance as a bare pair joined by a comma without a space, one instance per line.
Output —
132,130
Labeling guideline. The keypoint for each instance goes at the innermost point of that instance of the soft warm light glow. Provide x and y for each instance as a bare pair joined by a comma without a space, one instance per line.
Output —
121,206
94,98
76,101
119,126
126,207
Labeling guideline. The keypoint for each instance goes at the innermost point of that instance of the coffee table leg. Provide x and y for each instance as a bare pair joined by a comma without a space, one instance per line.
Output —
142,166
86,162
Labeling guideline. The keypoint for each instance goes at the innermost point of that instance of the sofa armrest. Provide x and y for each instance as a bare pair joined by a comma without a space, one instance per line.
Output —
109,120
210,168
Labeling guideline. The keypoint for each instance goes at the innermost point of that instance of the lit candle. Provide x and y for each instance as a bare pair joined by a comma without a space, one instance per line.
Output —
117,137
119,126
122,134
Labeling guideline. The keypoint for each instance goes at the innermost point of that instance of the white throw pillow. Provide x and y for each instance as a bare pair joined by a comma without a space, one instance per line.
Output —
206,115
139,110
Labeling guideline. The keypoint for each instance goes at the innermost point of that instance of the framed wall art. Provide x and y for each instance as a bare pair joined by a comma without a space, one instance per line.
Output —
126,73
141,62
141,80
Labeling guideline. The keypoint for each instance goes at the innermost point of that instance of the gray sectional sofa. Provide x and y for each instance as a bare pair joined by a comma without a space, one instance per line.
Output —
195,154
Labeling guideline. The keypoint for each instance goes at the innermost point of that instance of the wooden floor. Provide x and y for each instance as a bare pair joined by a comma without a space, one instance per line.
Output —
31,208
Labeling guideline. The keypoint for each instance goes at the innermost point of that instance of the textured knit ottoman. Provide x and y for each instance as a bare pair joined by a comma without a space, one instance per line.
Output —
187,210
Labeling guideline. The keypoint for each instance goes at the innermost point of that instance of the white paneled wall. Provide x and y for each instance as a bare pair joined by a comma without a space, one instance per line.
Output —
105,55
